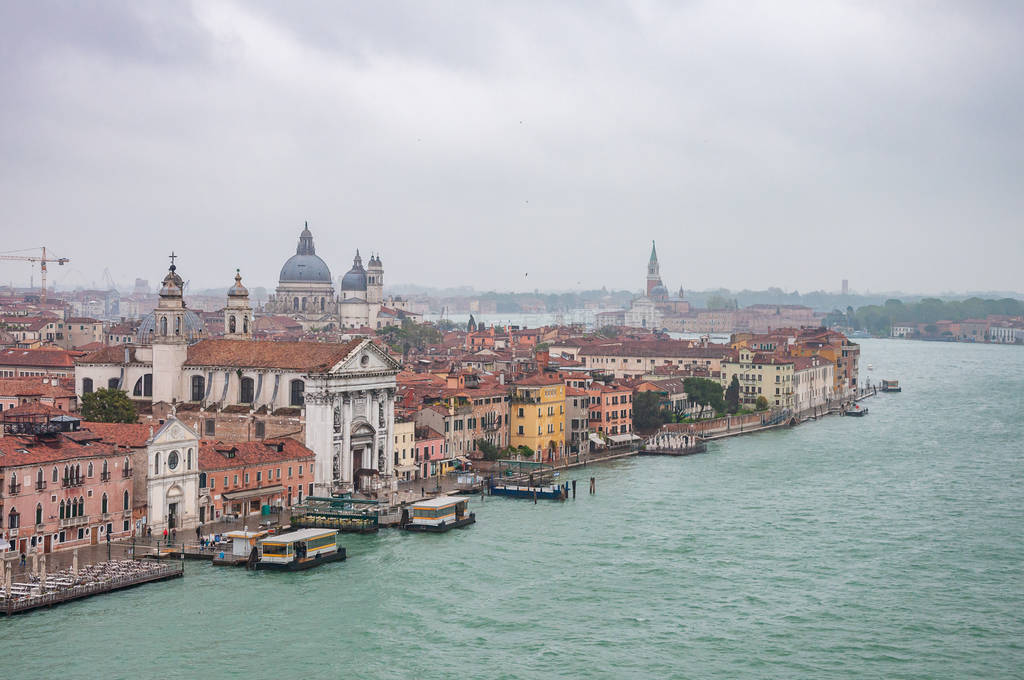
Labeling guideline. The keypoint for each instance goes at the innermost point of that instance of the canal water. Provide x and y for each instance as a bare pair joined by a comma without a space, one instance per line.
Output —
887,546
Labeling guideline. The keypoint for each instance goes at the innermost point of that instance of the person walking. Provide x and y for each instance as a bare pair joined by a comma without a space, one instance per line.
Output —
22,563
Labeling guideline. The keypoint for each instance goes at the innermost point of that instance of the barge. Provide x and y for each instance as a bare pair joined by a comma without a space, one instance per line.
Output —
554,492
298,550
440,514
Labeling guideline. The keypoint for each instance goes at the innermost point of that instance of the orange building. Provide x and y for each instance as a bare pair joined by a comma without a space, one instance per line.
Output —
241,477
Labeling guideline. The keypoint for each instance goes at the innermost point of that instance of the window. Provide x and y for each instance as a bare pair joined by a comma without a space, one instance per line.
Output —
54,475
259,478
13,519
261,429
125,501
113,383
39,513
209,427
520,413
279,473
143,386
188,464
296,390
236,480
172,460
246,391
231,324
247,477
87,386
89,473
156,464
226,481
202,480
103,504
198,387
300,471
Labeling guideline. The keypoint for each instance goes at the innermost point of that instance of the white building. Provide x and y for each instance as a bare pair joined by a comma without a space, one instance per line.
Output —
172,477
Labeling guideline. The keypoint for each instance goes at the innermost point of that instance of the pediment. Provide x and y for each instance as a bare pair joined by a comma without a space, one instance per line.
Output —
173,430
367,357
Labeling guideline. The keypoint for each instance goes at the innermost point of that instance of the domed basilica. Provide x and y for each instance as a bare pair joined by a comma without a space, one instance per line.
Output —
306,292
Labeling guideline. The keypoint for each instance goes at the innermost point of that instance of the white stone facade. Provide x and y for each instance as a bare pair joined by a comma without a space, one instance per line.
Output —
172,484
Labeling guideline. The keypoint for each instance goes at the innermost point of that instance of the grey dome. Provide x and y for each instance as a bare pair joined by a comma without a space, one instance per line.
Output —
659,291
147,327
355,279
305,266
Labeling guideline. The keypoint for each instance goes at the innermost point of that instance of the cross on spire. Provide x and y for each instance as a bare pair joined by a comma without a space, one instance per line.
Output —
172,260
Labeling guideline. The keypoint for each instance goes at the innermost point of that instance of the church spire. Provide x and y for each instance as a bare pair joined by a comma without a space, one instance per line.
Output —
654,253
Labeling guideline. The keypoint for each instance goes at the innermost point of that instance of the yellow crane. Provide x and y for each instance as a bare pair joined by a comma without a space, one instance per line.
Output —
42,266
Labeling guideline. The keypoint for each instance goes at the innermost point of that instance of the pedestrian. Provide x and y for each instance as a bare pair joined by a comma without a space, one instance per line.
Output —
174,534
199,531
22,564
165,534
149,532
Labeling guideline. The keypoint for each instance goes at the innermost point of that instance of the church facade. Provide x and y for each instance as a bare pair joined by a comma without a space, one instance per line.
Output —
656,309
341,395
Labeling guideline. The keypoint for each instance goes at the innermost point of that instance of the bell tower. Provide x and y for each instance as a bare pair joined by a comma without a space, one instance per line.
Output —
170,337
238,312
653,273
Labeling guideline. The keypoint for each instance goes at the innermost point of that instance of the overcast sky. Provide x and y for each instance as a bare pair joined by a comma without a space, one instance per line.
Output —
519,145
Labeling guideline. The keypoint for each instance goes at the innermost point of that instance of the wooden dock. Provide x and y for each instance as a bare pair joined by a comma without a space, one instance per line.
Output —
19,605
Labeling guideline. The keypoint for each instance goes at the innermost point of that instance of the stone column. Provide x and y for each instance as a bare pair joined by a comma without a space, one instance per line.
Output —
389,433
346,428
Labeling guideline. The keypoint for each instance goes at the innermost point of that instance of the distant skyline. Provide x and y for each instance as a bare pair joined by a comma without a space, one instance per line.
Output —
519,146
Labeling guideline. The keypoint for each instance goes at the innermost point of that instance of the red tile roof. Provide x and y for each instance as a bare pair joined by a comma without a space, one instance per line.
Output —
132,435
32,387
15,450
217,455
301,356
52,358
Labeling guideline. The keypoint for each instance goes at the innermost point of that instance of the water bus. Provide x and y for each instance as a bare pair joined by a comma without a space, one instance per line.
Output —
302,549
552,492
891,386
438,514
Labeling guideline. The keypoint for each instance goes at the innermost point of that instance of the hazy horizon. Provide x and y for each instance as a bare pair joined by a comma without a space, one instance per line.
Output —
519,147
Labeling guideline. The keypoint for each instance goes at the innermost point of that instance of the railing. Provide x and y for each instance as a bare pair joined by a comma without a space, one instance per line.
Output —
74,521
13,489
105,476
126,472
40,485
105,516
72,481
127,512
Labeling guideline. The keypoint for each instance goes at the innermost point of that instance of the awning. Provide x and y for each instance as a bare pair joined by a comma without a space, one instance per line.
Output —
623,438
252,493
596,439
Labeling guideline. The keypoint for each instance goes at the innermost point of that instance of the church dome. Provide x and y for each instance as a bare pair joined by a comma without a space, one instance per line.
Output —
238,290
659,291
355,279
305,265
147,327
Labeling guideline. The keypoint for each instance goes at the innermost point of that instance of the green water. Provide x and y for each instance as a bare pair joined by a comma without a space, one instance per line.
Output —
887,546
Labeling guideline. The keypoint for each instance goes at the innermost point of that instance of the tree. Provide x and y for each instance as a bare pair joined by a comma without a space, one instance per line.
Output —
490,451
732,396
761,404
108,406
648,413
704,392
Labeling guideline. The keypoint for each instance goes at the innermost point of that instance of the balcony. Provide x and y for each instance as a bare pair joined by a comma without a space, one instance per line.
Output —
72,481
74,521
13,489
40,485
126,472
105,516
126,513
105,476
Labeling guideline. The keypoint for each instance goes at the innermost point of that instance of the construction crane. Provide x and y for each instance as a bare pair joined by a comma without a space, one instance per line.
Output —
42,266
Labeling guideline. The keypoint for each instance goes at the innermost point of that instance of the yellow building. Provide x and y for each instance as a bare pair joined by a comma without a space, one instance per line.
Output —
537,416
760,375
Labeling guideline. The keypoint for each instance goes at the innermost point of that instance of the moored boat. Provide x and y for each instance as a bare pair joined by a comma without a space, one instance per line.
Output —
297,550
856,411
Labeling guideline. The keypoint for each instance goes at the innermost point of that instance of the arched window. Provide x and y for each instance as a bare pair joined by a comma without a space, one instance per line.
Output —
147,385
113,383
188,460
127,466
89,474
231,324
245,324
39,478
126,501
156,464
303,304
13,519
198,387
78,472
202,480
295,304
62,508
39,513
163,325
81,506
103,504
56,476
322,304
246,391
177,325
86,385
298,387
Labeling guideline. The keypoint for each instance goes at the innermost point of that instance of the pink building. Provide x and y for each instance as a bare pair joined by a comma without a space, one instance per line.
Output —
60,487
429,452
611,408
